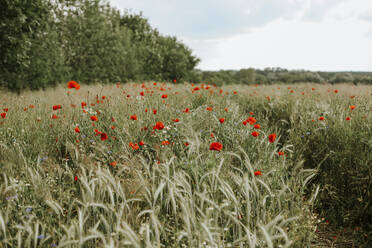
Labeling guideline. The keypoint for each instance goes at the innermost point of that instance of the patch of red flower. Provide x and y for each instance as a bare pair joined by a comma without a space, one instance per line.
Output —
321,118
258,173
352,107
280,153
154,111
159,125
3,115
104,136
83,104
56,107
164,96
209,108
133,117
54,117
257,126
187,110
134,146
222,120
113,163
255,134
94,118
215,146
176,120
73,84
141,143
77,130
272,137
348,118
5,109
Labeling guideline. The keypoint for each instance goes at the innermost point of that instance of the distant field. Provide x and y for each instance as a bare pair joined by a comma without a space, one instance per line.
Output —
181,165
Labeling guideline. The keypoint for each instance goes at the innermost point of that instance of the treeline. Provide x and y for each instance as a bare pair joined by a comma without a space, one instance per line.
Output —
47,42
279,75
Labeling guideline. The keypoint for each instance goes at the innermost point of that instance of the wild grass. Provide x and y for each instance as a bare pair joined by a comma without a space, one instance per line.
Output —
60,188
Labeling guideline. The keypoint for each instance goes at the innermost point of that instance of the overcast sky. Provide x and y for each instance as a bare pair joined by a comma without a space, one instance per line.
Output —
327,35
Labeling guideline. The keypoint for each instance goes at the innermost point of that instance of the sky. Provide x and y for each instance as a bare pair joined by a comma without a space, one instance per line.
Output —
318,35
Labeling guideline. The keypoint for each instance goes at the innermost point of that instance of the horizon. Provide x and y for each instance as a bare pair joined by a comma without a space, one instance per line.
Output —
310,35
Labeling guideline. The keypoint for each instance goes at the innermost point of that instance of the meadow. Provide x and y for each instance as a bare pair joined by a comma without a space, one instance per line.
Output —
183,165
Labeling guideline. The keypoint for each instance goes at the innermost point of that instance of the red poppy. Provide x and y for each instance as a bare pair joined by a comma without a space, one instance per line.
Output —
226,110
113,163
212,135
258,173
272,137
313,89
187,110
164,96
176,120
215,146
133,117
257,126
3,115
186,143
142,93
165,142
134,146
56,107
141,143
174,80
255,134
352,107
104,136
83,104
73,84
54,117
159,125
321,118
280,153
75,178
209,108
245,122
348,118
77,129
222,120
251,120
5,109
336,91
154,111
94,118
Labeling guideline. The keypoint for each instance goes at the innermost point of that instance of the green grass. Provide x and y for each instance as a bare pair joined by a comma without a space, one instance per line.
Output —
173,195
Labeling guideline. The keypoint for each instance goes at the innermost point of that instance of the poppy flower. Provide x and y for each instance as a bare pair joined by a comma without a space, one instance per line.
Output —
133,117
251,120
212,135
94,118
280,153
75,178
321,118
134,146
187,110
222,120
209,108
54,117
154,111
245,122
215,146
77,130
113,163
174,80
104,136
56,107
165,142
258,173
83,104
272,137
141,143
142,93
159,125
5,109
336,91
352,107
3,115
164,96
226,110
176,120
186,143
348,118
73,84
312,89
257,126
255,134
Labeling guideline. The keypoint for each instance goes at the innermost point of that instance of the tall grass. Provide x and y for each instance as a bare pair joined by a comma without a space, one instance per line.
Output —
60,188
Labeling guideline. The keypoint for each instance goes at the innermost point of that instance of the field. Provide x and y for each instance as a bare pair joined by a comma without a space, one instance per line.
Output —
182,165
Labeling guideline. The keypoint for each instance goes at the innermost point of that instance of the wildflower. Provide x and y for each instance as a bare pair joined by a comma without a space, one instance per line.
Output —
215,146
176,120
56,107
187,110
75,178
254,134
77,130
3,115
113,163
196,89
226,110
54,117
312,89
251,120
335,91
245,122
257,126
83,104
280,153
133,117
104,136
222,120
94,118
352,107
164,96
272,137
141,143
258,173
154,111
165,142
73,84
348,118
5,109
159,125
186,143
212,135
134,146
209,108
142,93
321,118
